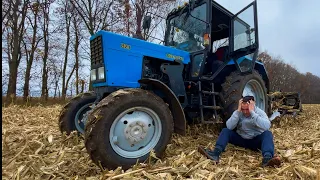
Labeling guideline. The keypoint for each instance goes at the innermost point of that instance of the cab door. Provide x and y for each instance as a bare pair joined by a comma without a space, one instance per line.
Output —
244,40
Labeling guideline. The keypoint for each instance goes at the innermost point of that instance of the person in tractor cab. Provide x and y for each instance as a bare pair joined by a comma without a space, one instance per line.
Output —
218,58
252,131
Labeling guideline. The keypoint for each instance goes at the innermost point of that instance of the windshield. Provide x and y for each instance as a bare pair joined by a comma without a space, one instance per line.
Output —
186,32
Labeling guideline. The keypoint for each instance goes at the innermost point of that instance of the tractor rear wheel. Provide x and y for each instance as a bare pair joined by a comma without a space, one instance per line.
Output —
125,126
74,114
237,86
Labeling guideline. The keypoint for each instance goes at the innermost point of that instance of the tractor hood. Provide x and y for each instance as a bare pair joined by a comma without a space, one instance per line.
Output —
140,48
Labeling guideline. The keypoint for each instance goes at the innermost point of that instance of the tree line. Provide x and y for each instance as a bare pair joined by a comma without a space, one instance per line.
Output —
46,48
286,78
45,43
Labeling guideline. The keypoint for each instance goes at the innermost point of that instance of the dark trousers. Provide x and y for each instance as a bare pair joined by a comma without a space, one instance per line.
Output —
263,142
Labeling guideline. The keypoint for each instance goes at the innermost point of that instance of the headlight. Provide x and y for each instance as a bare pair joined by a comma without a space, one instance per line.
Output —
101,73
93,75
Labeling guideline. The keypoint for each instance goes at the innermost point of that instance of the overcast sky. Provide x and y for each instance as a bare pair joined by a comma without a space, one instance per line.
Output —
289,28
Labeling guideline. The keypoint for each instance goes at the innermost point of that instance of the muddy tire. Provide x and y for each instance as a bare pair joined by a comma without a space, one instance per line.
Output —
234,87
125,126
73,112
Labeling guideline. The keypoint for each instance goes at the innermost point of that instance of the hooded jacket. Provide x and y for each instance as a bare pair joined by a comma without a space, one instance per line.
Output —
249,127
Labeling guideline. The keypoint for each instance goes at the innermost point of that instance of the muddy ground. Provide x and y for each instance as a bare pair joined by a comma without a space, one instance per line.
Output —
34,148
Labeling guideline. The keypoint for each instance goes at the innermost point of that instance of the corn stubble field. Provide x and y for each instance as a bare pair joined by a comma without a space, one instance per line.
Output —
34,148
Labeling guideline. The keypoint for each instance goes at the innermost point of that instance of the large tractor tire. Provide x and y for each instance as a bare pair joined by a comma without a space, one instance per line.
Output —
74,114
125,126
236,86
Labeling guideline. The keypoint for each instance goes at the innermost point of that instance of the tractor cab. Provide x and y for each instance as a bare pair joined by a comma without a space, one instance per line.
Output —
214,37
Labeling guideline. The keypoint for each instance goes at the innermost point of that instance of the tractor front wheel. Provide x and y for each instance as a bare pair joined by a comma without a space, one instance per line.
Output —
126,126
73,116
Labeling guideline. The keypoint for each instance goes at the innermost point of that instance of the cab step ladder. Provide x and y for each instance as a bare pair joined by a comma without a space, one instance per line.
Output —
214,107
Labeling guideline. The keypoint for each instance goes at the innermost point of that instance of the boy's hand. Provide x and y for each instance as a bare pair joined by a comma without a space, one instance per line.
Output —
251,105
239,105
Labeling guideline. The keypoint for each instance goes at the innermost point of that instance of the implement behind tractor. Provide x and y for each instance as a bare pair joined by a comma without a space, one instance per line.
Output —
144,92
286,102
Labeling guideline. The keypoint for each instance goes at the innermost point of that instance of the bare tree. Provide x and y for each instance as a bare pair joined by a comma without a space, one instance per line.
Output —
76,26
32,19
66,10
97,14
56,74
45,28
16,21
138,9
311,94
6,9
127,12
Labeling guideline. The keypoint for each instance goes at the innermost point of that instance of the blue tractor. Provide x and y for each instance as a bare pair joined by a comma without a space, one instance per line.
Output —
144,92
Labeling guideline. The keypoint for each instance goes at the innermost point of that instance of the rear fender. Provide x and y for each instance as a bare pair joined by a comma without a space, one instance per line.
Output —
174,104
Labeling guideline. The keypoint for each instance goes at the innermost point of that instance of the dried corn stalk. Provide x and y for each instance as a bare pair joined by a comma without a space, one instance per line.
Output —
34,148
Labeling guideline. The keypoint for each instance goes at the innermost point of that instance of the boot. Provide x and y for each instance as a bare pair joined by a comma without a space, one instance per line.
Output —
268,160
213,155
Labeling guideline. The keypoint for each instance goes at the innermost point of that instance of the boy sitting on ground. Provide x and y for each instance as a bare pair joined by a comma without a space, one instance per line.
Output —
252,132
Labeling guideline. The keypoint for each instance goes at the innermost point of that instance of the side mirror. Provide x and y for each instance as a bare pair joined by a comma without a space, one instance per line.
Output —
146,22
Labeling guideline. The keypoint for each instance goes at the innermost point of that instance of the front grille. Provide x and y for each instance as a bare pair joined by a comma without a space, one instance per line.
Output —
96,51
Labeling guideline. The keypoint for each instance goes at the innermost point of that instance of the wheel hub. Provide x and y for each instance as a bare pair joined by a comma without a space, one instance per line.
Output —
85,117
254,87
136,131
81,117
